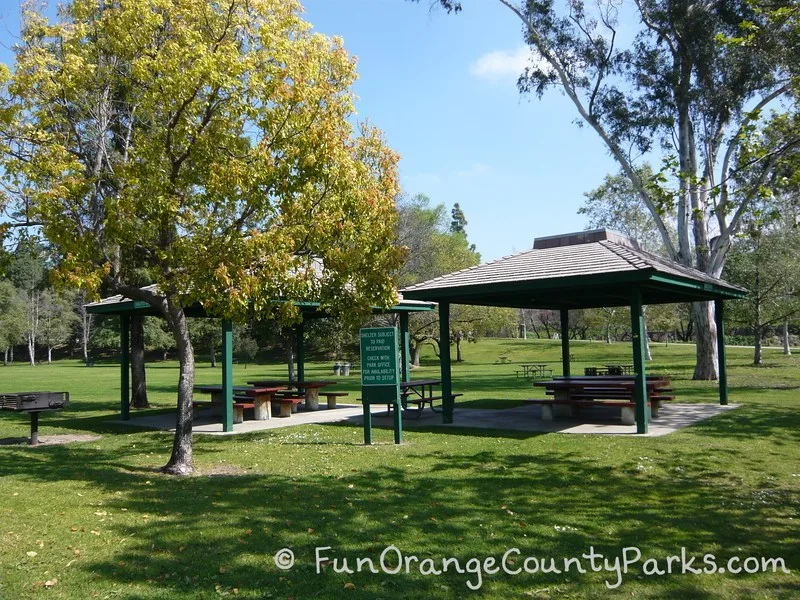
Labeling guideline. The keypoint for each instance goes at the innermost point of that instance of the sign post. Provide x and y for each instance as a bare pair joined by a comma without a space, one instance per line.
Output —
380,376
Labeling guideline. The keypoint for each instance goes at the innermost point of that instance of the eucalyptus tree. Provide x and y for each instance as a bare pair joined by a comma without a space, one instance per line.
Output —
208,145
678,88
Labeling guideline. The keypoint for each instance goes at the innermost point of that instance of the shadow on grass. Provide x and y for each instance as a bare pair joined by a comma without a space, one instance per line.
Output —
219,533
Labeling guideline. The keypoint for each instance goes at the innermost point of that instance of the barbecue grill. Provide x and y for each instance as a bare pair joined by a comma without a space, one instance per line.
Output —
34,403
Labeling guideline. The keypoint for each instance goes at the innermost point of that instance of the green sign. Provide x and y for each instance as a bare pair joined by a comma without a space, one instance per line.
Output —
379,365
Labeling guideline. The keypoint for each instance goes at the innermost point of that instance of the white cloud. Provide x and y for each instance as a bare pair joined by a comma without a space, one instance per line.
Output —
500,65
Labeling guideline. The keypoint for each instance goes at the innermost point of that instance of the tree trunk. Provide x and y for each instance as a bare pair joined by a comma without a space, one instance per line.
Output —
758,335
289,358
5,358
49,355
706,337
647,354
416,350
11,354
213,356
86,324
785,335
32,349
180,462
138,373
459,357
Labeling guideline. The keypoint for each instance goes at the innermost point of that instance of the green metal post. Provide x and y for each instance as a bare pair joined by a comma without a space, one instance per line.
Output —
719,314
565,342
227,376
398,424
125,366
405,347
637,336
368,422
444,361
301,353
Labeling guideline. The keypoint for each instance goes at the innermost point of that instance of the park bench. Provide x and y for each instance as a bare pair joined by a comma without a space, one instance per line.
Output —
240,403
288,402
572,407
332,396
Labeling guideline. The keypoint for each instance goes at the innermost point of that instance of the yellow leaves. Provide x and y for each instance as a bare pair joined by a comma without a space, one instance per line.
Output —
240,163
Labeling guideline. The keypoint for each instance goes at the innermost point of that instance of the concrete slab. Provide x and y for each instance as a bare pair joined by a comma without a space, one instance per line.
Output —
206,424
671,418
524,418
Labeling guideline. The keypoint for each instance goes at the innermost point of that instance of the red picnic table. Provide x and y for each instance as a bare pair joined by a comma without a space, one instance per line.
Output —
573,393
261,396
310,390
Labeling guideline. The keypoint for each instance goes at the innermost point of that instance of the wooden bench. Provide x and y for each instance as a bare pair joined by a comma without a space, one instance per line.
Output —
331,397
627,409
238,407
598,395
288,404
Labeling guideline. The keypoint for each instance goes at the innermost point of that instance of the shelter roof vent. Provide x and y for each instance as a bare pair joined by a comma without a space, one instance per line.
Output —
584,237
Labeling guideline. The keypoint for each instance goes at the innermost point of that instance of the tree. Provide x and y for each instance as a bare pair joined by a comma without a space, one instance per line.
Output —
459,222
13,318
207,335
245,345
138,369
27,272
680,88
211,151
434,249
84,323
767,263
56,319
468,323
616,205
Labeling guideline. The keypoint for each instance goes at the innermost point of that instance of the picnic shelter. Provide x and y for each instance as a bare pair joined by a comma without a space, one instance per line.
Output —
588,269
126,308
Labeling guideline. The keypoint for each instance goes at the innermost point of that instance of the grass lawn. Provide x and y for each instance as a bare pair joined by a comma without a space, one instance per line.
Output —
94,519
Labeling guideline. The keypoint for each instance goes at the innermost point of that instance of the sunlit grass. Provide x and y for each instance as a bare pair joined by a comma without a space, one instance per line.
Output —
95,520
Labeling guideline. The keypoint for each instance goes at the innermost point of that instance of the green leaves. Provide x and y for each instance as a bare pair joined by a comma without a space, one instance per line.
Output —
206,147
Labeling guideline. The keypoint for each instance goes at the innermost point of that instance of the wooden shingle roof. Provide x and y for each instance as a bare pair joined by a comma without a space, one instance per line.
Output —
579,270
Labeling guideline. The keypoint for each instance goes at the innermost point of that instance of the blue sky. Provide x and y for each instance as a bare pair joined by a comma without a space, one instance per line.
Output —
442,87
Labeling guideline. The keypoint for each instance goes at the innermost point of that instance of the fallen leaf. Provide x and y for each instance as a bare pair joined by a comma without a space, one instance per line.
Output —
349,586
31,553
50,582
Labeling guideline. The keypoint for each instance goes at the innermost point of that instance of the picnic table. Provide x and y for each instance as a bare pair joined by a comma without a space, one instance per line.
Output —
308,389
570,394
612,370
259,398
420,392
535,370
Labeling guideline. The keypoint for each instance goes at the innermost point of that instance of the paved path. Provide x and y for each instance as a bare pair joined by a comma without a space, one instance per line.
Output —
524,418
